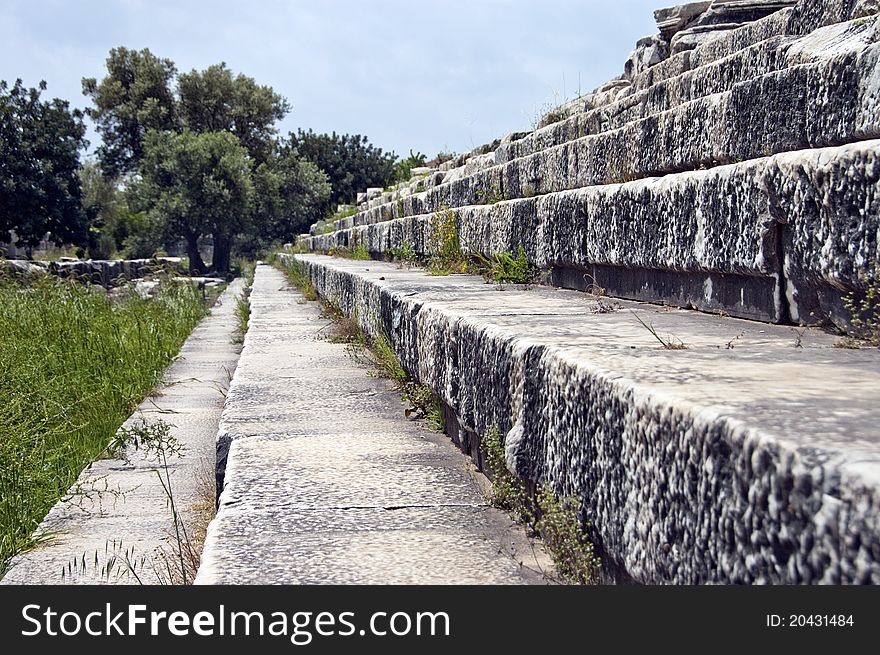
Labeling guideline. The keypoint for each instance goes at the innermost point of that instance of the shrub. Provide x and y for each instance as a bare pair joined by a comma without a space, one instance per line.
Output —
504,267
864,309
444,245
405,254
556,521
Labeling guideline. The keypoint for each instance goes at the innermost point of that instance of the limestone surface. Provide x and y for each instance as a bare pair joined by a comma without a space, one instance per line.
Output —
325,481
778,239
750,456
817,91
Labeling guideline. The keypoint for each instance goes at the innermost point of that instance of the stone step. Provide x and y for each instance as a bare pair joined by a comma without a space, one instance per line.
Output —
116,522
825,103
751,456
718,76
778,239
755,49
325,481
803,18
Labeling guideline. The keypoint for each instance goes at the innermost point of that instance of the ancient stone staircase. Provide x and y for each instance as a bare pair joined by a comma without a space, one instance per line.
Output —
732,169
723,178
751,455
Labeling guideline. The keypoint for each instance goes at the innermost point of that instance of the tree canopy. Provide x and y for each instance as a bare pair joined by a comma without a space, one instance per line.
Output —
351,163
214,101
291,193
134,97
199,184
183,156
40,192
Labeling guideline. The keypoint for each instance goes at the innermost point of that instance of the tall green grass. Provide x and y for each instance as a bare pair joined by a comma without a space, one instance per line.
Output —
74,364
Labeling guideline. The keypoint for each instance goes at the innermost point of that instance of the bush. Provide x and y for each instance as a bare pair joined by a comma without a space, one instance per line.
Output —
444,245
557,521
504,267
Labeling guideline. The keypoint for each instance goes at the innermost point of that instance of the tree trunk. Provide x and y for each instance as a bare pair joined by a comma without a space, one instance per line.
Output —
196,265
222,248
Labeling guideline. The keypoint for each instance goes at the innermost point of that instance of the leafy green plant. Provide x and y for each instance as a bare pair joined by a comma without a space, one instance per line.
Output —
551,117
242,315
346,329
508,491
559,525
424,403
386,359
864,309
503,267
158,445
360,251
242,300
405,254
489,196
345,212
298,279
444,244
403,168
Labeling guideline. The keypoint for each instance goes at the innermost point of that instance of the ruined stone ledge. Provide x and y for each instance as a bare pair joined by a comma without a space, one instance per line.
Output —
751,44
805,17
326,481
718,76
742,459
829,103
777,239
106,272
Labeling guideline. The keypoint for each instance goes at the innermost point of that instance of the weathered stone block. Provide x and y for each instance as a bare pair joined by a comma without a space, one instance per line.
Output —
737,479
777,239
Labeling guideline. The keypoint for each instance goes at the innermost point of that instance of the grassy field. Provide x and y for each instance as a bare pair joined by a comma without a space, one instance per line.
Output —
74,364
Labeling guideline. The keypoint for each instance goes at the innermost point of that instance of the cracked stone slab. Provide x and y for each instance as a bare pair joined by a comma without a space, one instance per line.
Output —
118,507
325,481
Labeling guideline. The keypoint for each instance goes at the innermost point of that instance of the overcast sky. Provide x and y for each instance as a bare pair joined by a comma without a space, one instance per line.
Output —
443,75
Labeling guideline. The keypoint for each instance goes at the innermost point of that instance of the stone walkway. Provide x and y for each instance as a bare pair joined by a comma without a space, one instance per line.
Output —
117,527
327,481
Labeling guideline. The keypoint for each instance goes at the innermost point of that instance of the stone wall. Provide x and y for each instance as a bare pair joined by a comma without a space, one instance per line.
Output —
106,272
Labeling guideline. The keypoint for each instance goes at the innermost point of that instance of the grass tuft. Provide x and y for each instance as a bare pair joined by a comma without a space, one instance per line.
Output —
557,521
864,308
503,268
669,342
298,279
444,245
